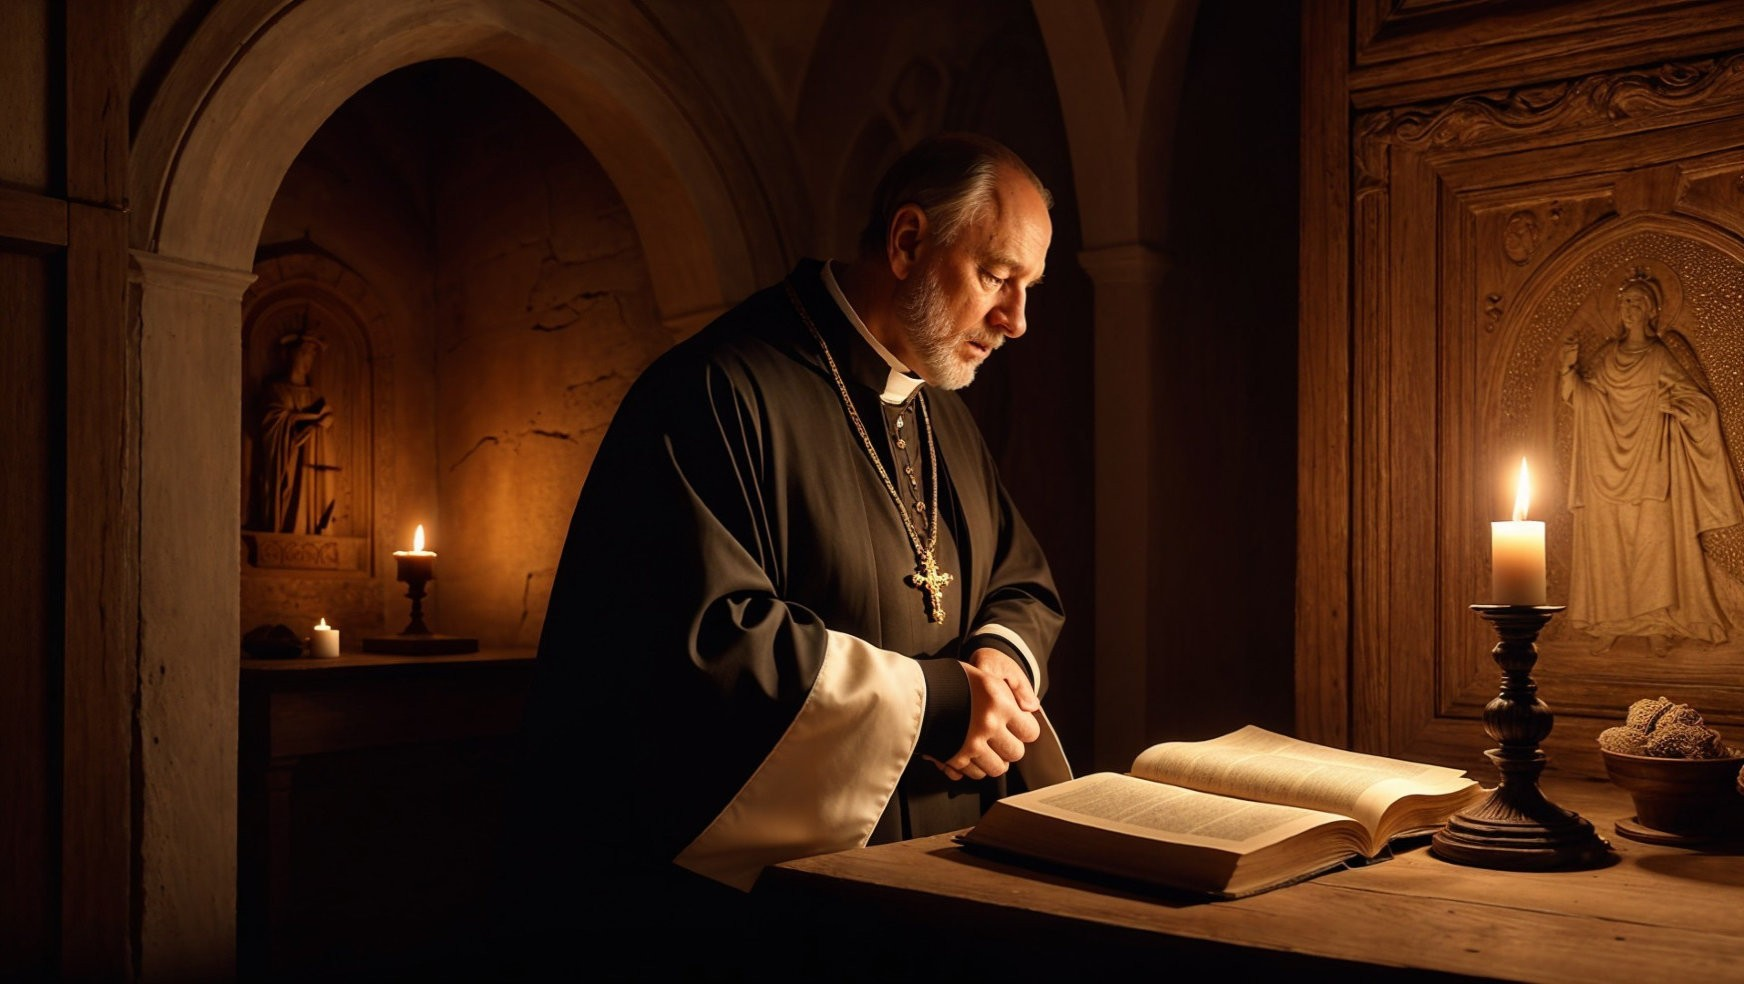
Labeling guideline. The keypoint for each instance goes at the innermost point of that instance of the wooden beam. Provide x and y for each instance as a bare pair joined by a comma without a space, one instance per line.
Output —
102,603
100,673
31,219
1323,594
30,528
97,86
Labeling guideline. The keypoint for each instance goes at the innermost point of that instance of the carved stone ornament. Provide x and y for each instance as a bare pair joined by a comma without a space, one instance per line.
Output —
285,551
312,412
307,415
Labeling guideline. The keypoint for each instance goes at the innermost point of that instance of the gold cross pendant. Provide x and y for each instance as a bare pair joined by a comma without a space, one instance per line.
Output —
927,577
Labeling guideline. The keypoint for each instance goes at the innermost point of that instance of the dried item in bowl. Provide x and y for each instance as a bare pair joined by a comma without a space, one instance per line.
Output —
1686,782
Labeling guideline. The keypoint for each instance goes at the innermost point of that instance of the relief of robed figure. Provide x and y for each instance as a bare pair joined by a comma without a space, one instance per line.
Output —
295,418
1649,475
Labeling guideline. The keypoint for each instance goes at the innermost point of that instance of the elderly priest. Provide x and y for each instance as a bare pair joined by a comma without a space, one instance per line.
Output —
796,611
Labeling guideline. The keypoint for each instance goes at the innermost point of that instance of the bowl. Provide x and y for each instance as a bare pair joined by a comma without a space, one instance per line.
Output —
1698,799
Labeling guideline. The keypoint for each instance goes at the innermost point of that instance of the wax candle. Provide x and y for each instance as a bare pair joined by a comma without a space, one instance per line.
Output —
324,642
416,564
1517,553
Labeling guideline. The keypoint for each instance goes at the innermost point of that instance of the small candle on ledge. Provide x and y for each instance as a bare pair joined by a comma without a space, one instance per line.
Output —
1517,553
416,564
324,641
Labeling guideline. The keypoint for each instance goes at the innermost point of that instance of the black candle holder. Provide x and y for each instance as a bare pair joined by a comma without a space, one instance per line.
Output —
417,639
1515,827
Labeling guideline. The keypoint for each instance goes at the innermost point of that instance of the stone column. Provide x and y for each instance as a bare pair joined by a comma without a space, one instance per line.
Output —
1126,279
189,404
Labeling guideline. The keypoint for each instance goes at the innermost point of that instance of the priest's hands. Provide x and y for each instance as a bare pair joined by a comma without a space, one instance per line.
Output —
1002,706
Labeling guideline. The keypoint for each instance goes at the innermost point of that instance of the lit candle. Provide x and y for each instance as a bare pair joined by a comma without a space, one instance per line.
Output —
324,644
1517,553
416,564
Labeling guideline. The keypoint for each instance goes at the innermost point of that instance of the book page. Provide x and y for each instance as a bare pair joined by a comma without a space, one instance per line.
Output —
1257,764
1154,811
1135,828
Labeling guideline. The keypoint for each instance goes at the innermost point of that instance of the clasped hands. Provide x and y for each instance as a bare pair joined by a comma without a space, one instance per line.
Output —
1002,717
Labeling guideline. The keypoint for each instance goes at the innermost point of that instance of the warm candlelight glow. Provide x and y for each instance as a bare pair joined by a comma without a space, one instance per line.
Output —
324,642
1522,494
417,546
1517,553
418,537
416,564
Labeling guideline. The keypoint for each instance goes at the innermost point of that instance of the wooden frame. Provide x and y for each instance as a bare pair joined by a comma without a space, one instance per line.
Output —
1432,353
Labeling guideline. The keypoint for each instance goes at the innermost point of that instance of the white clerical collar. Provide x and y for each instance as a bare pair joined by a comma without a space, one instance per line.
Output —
899,385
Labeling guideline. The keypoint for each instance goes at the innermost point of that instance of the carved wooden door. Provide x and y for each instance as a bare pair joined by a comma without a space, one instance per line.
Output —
1532,246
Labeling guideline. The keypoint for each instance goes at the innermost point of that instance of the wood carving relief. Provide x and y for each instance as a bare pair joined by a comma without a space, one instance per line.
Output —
1523,235
1643,334
1618,100
1555,271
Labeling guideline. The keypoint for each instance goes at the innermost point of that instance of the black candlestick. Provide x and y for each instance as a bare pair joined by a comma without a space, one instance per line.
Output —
415,591
417,639
1515,827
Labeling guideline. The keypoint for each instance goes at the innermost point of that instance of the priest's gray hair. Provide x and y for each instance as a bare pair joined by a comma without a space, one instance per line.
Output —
951,177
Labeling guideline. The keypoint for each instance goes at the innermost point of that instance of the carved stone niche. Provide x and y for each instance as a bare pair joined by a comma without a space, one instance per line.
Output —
308,423
1498,239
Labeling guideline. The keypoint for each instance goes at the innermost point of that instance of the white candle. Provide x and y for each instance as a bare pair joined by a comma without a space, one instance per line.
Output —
324,643
1517,554
416,564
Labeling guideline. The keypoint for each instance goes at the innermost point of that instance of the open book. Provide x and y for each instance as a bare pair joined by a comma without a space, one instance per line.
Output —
1228,817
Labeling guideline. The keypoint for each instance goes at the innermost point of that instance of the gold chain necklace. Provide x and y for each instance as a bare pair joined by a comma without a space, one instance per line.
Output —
926,577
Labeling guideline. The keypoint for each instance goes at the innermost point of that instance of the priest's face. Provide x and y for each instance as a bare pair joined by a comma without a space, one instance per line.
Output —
964,299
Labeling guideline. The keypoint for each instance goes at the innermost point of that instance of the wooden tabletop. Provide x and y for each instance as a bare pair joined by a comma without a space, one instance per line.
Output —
1655,913
305,706
352,662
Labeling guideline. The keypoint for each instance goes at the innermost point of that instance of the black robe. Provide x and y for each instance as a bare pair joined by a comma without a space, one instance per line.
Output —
733,671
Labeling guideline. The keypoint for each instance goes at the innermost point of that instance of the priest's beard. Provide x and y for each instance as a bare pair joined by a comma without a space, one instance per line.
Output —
927,317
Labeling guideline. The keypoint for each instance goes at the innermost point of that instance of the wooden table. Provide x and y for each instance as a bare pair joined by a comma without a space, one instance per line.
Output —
1656,913
355,773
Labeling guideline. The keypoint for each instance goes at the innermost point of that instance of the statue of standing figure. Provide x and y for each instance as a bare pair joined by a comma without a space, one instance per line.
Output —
294,464
1650,473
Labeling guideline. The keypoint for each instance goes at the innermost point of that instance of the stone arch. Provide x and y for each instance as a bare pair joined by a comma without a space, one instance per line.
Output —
254,83
1119,72
250,92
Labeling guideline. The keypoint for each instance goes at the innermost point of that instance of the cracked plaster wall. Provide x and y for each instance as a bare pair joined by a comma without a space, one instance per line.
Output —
520,311
545,315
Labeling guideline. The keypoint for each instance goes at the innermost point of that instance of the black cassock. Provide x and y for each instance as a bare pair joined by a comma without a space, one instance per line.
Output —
734,670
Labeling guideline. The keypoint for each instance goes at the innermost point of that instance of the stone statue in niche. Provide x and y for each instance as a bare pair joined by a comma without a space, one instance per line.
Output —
295,491
1650,474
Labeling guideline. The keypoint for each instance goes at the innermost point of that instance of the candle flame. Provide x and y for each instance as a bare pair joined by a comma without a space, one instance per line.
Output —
323,624
1522,492
418,537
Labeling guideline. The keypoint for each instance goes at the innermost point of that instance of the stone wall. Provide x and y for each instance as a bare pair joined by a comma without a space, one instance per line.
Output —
544,317
515,310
